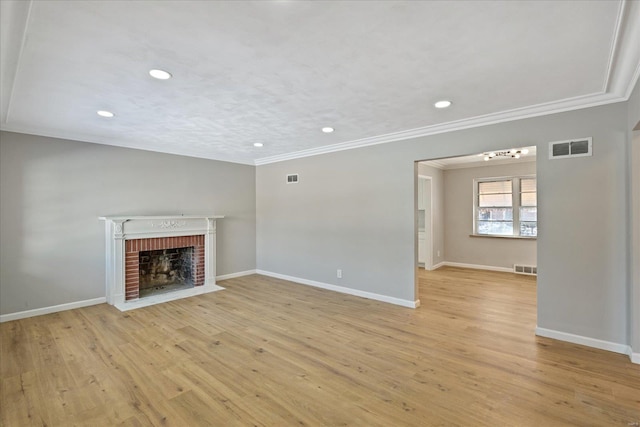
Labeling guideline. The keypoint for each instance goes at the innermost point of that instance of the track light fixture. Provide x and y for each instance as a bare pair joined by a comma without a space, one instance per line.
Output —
514,153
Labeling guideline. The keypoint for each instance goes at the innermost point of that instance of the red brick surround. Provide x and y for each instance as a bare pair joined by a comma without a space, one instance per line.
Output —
134,247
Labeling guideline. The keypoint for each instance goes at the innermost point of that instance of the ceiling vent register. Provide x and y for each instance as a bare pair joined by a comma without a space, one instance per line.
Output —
574,148
292,178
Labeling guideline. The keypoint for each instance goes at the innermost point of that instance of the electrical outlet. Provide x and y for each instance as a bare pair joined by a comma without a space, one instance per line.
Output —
339,274
438,253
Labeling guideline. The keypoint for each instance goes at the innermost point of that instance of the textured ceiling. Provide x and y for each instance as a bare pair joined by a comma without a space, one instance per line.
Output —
276,72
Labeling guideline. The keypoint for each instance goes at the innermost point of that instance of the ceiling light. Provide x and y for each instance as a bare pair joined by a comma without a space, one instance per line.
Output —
514,153
328,129
442,104
160,74
258,144
105,113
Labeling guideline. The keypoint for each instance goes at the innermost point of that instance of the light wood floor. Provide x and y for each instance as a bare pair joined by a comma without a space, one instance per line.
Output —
269,352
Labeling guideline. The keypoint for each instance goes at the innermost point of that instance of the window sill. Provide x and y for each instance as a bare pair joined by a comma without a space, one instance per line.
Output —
496,236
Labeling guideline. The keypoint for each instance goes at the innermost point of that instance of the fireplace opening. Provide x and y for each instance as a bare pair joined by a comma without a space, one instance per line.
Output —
166,270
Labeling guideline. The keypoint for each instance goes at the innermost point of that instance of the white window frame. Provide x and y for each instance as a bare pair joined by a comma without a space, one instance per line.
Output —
515,205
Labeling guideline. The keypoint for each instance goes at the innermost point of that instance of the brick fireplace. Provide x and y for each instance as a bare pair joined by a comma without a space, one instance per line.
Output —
166,258
137,268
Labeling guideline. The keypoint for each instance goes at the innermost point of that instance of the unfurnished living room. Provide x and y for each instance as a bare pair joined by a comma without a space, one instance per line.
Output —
319,213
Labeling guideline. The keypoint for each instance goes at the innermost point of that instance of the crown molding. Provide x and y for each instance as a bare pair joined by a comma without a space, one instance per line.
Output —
119,143
568,104
434,164
623,73
614,45
442,166
484,164
621,77
624,61
15,17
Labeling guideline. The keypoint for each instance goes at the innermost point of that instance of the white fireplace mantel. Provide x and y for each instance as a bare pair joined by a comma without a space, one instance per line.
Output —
120,228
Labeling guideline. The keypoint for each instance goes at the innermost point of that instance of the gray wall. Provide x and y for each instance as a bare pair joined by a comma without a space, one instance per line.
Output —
634,218
458,223
634,107
634,271
582,254
355,210
437,199
52,247
349,211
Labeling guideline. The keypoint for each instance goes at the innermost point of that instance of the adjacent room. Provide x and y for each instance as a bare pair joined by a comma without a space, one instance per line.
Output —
479,211
274,213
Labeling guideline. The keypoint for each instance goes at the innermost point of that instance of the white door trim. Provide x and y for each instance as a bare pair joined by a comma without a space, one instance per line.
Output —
428,265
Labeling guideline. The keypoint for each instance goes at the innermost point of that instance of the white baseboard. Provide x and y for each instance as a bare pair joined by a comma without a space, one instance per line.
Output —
476,266
234,275
78,304
589,342
53,309
343,290
438,265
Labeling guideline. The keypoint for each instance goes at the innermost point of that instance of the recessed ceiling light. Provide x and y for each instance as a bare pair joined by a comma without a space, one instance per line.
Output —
105,113
160,74
258,144
327,129
442,104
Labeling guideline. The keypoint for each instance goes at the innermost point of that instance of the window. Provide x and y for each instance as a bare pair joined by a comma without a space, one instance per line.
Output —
528,215
506,207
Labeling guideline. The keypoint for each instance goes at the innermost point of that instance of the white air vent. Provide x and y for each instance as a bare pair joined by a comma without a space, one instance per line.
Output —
530,270
574,148
292,178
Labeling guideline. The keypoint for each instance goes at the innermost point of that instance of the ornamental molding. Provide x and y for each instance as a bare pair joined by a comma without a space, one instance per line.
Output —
168,224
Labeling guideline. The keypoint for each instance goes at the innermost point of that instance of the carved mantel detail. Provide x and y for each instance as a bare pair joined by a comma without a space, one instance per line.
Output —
168,223
118,228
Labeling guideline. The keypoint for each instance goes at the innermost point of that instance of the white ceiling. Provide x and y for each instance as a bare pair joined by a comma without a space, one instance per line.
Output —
477,160
275,72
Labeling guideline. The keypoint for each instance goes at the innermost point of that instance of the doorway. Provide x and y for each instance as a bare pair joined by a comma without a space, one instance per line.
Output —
477,212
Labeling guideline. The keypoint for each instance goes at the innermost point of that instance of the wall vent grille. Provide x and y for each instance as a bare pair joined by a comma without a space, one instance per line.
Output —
530,270
574,148
292,178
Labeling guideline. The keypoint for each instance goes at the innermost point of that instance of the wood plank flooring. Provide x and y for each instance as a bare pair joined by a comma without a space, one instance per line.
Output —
267,352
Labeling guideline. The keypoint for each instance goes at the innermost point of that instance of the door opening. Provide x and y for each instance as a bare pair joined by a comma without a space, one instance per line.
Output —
477,212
